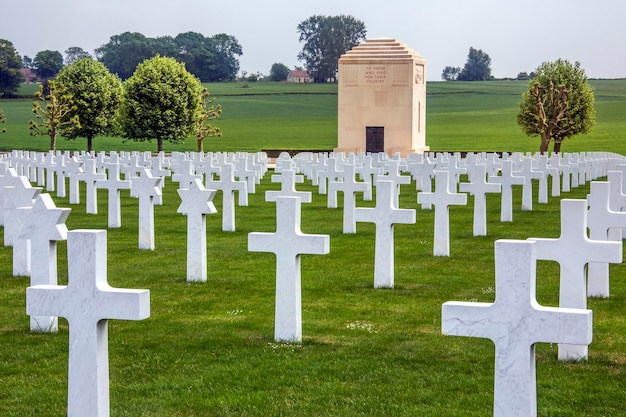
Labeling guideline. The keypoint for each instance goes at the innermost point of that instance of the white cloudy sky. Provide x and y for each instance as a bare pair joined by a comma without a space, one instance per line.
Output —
518,35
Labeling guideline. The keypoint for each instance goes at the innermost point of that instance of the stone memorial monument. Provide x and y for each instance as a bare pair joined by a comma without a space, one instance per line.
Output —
382,99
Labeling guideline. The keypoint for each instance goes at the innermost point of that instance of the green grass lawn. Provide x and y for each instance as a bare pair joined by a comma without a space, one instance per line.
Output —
208,350
466,116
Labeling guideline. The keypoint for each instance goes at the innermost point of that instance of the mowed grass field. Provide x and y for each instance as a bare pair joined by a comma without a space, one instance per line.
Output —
465,116
208,349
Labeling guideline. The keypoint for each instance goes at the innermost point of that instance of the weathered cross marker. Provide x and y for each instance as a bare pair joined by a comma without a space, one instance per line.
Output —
515,322
88,302
573,250
384,215
43,224
196,203
288,243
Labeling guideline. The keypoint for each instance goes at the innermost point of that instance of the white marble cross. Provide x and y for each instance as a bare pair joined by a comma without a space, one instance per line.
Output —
288,179
600,219
43,224
135,166
442,198
20,194
50,164
349,187
384,215
185,174
423,171
146,188
556,162
7,178
542,166
46,157
617,200
73,169
60,170
368,172
573,250
507,180
244,172
515,322
113,183
228,185
317,167
331,172
455,170
479,187
196,203
88,302
158,169
394,174
90,176
529,173
288,243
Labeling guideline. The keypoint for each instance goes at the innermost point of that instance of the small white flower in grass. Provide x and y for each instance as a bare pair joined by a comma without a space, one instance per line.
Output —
234,312
488,290
281,347
361,326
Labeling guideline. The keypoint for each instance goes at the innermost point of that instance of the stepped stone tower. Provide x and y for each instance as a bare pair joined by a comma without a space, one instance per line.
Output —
382,99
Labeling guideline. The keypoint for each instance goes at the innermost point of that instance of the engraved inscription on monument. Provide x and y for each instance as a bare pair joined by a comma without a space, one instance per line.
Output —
375,74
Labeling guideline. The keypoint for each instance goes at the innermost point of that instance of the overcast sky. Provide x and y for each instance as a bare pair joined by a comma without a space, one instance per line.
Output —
518,35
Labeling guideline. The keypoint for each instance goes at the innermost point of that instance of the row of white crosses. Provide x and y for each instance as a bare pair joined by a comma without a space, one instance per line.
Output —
144,177
515,322
445,194
289,243
35,219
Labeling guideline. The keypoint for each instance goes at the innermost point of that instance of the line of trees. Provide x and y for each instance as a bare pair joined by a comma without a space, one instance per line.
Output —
161,100
210,59
477,68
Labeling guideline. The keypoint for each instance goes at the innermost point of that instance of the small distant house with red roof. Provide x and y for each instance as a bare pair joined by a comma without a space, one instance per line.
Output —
29,75
299,76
